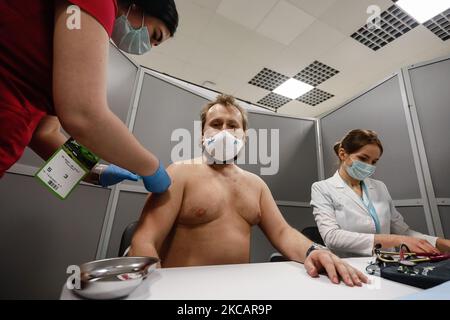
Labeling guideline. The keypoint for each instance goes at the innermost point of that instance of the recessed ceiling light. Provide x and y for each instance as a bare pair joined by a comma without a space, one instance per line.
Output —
422,10
293,88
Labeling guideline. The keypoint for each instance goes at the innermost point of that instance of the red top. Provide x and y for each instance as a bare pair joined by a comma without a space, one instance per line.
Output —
26,55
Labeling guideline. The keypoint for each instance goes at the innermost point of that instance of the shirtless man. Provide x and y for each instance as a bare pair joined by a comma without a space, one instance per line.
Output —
206,216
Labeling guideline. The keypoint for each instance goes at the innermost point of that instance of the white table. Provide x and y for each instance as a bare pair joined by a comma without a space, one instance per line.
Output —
257,281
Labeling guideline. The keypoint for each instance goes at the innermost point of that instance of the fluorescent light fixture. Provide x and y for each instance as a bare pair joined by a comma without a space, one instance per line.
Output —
423,10
293,88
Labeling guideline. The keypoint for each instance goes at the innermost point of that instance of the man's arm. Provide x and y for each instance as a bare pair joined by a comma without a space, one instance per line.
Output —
294,245
158,216
291,243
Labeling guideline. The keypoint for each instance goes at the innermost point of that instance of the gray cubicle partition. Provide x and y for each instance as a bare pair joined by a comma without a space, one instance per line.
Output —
382,109
379,109
42,235
410,111
164,106
429,99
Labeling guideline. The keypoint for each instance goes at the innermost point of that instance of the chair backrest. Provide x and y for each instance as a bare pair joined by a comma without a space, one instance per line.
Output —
313,234
127,236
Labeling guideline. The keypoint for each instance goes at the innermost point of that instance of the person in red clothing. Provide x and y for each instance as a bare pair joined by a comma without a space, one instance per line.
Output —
53,61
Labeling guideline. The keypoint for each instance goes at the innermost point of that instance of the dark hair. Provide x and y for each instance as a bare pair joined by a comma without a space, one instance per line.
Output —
356,139
227,101
164,10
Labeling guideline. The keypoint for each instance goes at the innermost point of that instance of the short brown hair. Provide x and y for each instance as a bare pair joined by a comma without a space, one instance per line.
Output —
356,139
227,101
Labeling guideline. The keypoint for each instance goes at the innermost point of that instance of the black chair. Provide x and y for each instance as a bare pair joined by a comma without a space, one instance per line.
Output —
127,236
312,233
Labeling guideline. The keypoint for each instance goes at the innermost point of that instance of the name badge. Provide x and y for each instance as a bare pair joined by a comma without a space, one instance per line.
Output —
66,168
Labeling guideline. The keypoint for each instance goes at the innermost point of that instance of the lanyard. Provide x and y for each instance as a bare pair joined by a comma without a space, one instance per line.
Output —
369,205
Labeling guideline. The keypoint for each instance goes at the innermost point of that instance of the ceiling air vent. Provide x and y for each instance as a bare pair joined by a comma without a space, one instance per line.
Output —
315,97
274,100
394,23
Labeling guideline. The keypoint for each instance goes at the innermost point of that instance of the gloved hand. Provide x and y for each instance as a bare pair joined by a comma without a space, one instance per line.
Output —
158,182
113,174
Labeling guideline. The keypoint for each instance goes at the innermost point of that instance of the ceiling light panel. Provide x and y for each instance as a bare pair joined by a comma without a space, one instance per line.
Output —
423,10
293,88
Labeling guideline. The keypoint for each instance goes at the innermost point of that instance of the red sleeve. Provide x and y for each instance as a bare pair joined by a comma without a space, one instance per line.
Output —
104,11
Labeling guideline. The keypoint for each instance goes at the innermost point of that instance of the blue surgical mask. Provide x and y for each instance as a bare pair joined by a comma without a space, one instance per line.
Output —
128,39
360,170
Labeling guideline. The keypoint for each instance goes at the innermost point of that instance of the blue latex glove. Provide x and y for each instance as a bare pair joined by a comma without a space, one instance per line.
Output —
158,182
114,174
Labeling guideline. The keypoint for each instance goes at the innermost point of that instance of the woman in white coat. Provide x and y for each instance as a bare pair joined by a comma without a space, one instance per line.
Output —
354,212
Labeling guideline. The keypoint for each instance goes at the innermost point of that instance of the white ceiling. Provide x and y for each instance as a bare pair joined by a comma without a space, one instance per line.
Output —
229,41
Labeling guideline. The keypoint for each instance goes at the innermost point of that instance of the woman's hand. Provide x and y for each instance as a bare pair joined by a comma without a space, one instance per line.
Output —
417,245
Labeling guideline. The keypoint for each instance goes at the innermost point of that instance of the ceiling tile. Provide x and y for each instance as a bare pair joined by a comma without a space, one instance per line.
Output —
285,22
212,57
412,42
193,18
228,83
295,108
226,33
348,55
198,74
317,38
314,8
259,49
181,47
250,92
347,16
290,62
242,68
248,13
209,4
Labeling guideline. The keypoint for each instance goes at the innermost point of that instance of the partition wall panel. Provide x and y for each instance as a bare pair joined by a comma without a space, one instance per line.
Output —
430,101
42,235
380,109
430,87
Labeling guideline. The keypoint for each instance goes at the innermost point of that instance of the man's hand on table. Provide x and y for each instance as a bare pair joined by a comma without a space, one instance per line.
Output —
336,269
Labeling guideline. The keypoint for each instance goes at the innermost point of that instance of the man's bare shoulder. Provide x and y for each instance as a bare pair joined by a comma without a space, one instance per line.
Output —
253,178
183,168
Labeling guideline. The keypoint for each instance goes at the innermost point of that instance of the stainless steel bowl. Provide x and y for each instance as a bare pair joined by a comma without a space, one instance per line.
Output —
113,278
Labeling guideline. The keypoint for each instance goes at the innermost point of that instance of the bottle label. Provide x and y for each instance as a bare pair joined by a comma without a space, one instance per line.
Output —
66,168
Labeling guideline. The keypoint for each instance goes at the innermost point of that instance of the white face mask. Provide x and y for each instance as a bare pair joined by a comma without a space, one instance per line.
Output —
223,146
